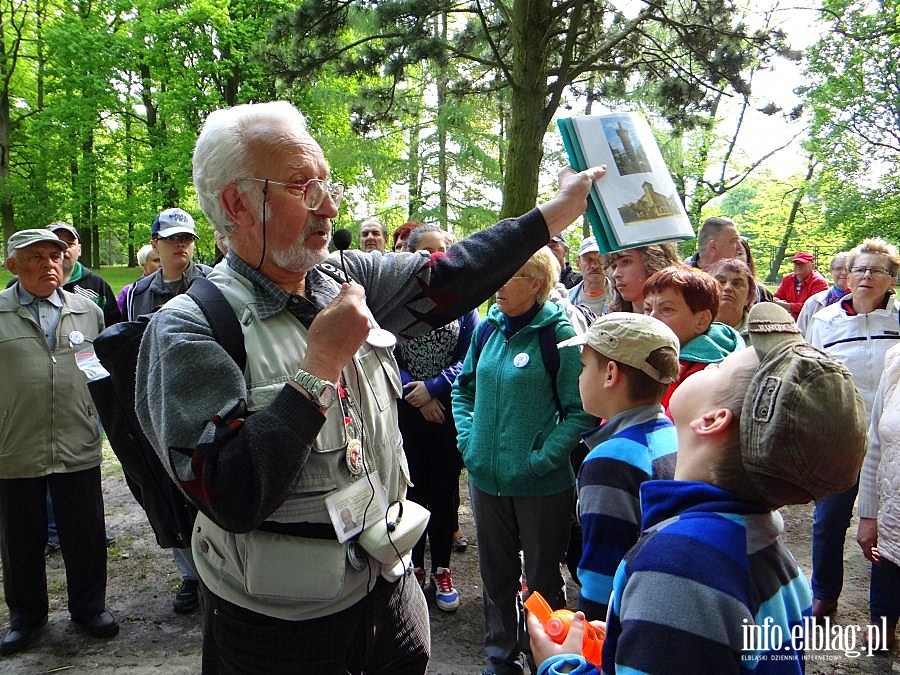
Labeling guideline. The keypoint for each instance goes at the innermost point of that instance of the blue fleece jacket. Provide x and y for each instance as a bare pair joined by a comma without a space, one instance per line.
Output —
710,587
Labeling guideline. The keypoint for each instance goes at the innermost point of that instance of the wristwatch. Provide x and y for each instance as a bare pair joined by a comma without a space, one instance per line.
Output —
323,392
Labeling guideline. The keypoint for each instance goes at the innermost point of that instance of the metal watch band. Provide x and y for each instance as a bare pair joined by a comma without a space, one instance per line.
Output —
322,391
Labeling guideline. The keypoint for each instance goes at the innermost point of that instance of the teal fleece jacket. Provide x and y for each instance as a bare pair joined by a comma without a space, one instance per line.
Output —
715,344
508,429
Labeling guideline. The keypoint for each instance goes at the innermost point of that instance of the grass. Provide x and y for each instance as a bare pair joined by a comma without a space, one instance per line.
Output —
109,464
116,276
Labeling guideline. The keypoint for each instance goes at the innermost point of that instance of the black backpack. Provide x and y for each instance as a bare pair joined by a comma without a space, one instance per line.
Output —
170,514
549,352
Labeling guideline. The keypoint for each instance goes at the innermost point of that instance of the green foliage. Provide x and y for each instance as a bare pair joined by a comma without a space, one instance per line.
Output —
425,109
855,93
854,96
520,59
762,205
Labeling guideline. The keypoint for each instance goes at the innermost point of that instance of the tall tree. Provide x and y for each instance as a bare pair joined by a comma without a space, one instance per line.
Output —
532,51
854,97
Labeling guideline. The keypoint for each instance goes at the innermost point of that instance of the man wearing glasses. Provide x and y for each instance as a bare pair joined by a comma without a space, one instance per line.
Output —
267,454
173,236
858,330
796,287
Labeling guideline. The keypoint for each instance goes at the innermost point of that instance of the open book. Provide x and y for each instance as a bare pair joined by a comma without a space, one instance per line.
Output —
636,203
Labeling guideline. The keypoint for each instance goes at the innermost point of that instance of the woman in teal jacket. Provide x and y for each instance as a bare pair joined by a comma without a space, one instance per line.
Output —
516,449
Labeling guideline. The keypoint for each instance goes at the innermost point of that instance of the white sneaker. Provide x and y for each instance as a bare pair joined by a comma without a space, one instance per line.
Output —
446,597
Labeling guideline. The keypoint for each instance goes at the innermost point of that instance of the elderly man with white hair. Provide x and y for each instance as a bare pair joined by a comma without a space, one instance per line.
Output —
271,454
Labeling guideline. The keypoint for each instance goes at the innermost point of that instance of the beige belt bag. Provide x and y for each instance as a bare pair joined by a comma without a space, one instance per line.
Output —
293,568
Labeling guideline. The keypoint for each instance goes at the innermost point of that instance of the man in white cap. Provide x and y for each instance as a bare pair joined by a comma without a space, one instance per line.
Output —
593,289
51,443
567,276
173,235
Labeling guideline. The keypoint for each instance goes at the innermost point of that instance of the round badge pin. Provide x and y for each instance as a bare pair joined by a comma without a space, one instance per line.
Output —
354,457
76,337
521,360
379,337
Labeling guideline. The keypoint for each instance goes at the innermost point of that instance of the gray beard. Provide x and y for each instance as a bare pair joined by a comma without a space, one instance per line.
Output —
299,258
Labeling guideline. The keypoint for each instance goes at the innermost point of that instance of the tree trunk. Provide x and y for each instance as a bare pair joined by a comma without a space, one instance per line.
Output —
6,195
528,101
789,228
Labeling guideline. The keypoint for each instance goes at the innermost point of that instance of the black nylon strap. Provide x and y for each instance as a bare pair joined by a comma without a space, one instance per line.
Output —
221,318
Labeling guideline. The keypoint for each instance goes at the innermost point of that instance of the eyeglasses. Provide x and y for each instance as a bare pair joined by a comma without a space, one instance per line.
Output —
518,277
313,191
179,238
876,272
841,270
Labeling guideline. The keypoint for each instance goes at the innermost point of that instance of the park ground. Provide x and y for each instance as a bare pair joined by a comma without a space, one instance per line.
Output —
153,639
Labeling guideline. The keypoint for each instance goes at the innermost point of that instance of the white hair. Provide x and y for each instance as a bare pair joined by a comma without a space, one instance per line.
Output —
143,253
222,155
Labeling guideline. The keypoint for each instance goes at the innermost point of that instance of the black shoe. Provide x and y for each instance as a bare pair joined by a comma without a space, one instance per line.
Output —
17,640
51,548
460,543
186,599
110,540
822,608
101,625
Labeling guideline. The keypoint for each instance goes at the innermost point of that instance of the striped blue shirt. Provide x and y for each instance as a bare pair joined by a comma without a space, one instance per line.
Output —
710,587
634,446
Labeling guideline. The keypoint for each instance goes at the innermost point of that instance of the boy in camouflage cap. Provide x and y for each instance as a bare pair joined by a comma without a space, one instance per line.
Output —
711,585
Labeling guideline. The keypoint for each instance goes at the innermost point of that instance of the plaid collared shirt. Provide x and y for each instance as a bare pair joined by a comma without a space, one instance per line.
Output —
271,299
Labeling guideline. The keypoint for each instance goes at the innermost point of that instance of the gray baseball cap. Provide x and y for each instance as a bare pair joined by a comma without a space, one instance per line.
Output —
24,238
60,225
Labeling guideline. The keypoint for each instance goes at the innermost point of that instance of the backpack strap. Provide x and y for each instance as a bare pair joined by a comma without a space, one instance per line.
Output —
550,357
485,330
221,317
482,333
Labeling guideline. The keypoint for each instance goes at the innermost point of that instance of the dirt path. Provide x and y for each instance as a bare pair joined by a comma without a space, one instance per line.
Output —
155,640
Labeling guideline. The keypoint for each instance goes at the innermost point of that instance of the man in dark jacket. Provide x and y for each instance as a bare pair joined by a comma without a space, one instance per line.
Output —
173,236
567,276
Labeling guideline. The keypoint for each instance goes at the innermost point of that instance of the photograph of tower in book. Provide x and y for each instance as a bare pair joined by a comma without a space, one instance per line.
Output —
636,202
626,149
